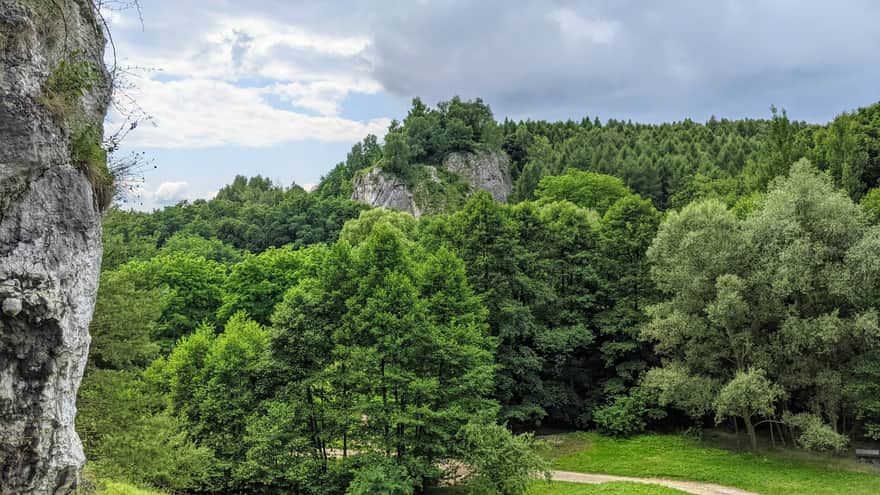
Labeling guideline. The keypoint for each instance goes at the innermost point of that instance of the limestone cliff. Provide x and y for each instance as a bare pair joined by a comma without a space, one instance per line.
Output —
380,189
484,171
430,190
53,97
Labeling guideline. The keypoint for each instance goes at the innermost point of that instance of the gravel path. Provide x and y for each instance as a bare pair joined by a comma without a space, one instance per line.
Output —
694,487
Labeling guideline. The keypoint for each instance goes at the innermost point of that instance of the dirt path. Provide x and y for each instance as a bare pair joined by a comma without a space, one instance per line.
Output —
695,487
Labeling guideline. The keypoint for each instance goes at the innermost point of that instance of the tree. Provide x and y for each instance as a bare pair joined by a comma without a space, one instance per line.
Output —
771,293
397,154
215,384
871,205
585,189
125,320
197,292
389,349
747,395
257,283
499,462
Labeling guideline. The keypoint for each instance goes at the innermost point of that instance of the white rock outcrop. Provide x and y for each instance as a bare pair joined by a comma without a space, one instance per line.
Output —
486,171
50,244
383,190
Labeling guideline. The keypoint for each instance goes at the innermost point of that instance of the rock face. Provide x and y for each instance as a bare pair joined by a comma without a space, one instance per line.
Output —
380,189
486,171
50,242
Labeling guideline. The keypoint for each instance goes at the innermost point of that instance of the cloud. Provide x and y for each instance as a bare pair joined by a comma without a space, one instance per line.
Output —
263,72
245,80
578,28
643,60
194,113
169,193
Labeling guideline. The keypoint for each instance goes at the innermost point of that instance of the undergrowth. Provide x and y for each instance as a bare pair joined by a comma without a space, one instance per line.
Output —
71,79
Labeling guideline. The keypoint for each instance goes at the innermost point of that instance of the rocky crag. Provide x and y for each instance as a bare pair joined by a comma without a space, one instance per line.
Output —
54,182
486,171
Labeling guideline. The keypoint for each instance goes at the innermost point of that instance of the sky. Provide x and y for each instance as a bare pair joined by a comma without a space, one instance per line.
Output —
283,88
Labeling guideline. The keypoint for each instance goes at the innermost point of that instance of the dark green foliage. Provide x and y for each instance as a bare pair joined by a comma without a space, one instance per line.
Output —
295,355
382,334
381,475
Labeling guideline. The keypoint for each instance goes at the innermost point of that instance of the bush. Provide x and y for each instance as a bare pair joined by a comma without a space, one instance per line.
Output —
501,463
626,414
814,434
87,154
71,78
381,475
156,451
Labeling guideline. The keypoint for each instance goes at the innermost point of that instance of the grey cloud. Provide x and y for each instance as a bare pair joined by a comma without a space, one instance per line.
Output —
666,60
663,60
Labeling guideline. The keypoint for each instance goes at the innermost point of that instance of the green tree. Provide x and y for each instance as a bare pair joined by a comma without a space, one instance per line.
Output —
585,189
770,292
196,285
747,395
498,461
125,320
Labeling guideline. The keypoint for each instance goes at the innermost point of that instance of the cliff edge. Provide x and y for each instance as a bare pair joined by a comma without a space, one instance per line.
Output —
54,182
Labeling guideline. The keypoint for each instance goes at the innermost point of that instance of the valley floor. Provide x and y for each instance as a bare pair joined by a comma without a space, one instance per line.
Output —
678,457
591,464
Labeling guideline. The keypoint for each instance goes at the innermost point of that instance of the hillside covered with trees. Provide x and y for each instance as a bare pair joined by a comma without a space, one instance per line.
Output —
641,277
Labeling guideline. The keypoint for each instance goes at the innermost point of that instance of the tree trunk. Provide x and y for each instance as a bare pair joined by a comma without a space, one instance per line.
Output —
750,428
736,429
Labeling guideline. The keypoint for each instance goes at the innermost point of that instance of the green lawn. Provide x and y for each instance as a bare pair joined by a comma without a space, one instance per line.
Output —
615,488
679,457
114,488
558,488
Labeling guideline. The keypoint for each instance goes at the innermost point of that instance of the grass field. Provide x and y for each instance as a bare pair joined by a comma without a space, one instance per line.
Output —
555,488
782,472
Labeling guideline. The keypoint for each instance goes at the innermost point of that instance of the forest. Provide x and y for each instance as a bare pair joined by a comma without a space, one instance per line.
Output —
642,277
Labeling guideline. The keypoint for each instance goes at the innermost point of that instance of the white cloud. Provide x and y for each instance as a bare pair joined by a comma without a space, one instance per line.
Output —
323,97
268,35
171,192
195,113
230,82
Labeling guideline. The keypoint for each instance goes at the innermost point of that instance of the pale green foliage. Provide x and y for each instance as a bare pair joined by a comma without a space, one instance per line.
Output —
585,189
674,386
788,290
357,230
210,249
500,463
870,203
813,434
156,450
257,283
749,394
